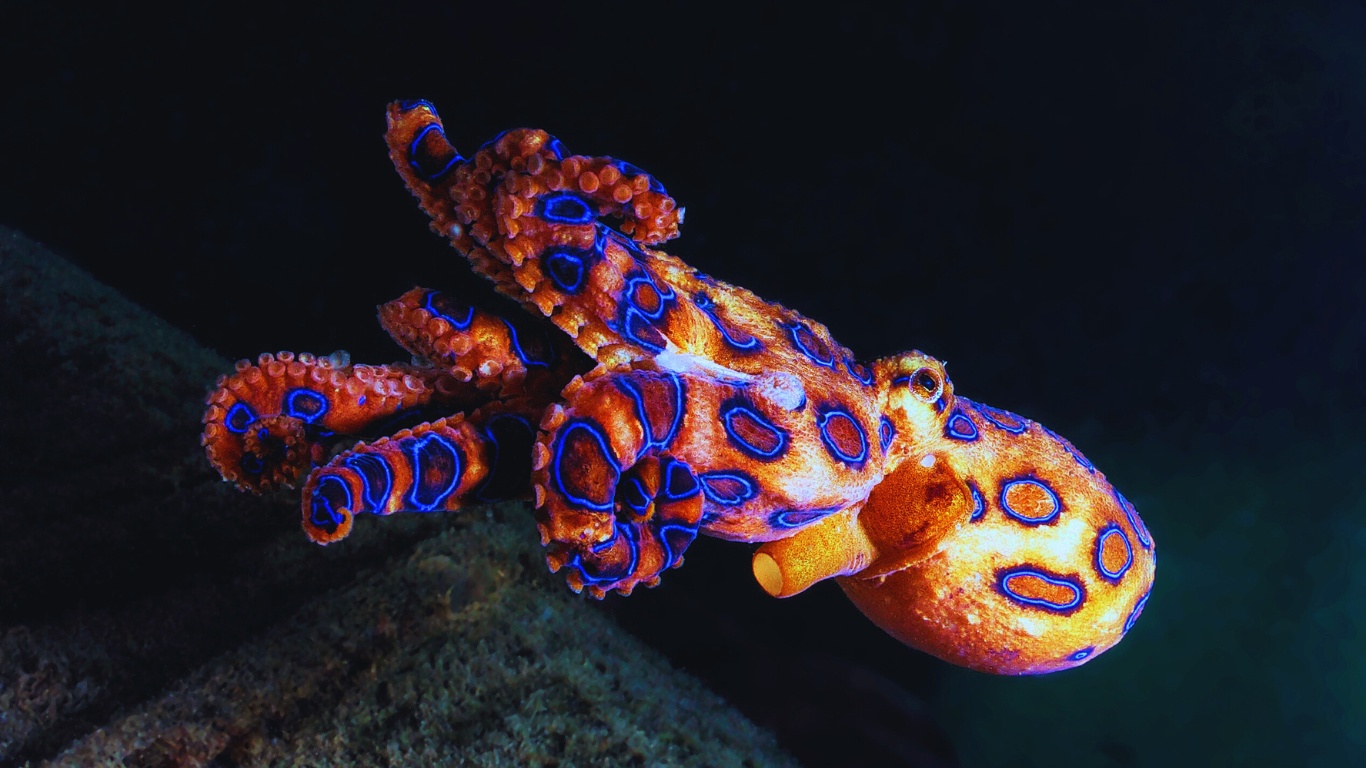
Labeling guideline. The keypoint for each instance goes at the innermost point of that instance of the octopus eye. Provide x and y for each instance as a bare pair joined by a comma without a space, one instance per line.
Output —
926,384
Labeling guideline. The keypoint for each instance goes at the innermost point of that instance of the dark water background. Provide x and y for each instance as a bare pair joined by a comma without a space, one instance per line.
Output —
1141,226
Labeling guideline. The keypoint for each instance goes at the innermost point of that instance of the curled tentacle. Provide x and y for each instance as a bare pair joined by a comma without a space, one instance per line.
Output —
460,194
271,421
614,506
435,467
562,234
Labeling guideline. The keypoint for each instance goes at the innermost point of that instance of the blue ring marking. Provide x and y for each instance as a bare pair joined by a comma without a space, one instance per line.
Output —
1138,609
449,308
728,488
557,475
636,326
1071,449
251,464
1006,420
637,323
325,501
749,344
557,148
885,433
500,483
859,371
795,330
632,390
664,298
679,481
620,529
823,418
960,426
376,479
630,170
566,270
305,405
408,105
566,208
1105,533
631,493
1083,653
730,410
679,405
1005,575
674,550
794,518
520,351
633,543
979,503
1029,480
493,140
426,458
413,155
1134,521
238,418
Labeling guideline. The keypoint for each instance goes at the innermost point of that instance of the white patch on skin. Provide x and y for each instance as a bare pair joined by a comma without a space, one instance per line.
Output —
782,389
1111,617
1065,544
928,461
682,362
1031,625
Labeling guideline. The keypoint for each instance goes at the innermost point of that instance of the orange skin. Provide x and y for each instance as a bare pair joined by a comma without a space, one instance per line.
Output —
672,404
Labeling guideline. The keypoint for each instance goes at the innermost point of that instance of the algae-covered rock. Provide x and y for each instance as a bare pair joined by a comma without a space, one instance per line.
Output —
463,653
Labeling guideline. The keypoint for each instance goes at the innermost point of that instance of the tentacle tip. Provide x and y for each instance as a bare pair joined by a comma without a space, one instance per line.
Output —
768,573
323,537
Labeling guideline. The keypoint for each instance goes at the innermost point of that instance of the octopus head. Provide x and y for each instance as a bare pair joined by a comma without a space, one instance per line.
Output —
999,547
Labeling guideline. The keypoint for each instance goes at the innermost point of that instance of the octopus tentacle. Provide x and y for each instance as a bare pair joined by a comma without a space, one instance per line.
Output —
435,467
503,356
468,202
537,222
271,421
616,504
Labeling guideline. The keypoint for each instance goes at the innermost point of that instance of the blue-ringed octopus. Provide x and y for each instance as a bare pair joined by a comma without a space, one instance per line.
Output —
658,403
